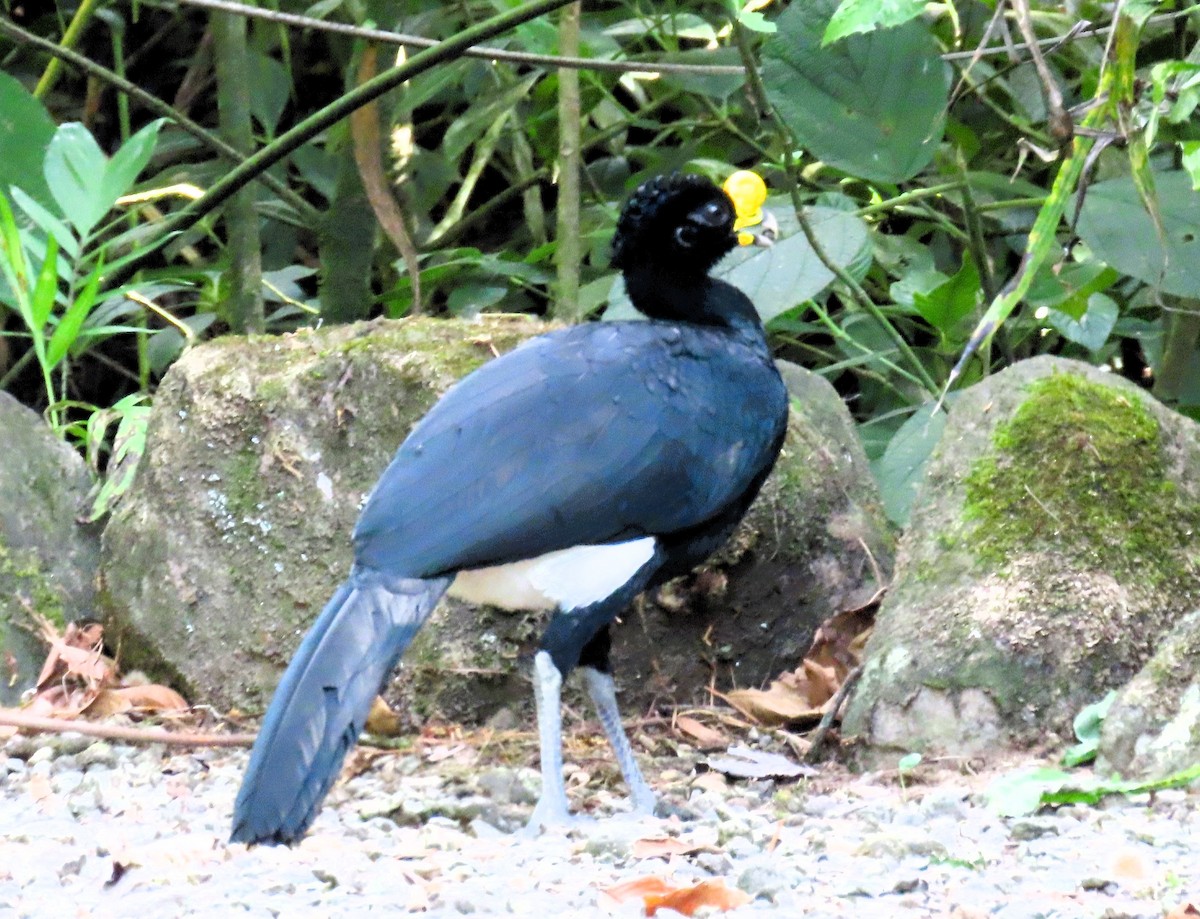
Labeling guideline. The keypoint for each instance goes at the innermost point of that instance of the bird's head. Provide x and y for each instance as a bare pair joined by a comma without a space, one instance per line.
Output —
685,223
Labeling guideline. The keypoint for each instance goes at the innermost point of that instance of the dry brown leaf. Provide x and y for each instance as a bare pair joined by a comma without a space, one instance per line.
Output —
779,704
687,900
143,698
805,693
702,735
663,847
639,888
382,720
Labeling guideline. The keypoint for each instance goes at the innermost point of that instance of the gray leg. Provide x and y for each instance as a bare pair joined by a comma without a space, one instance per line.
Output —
547,690
604,697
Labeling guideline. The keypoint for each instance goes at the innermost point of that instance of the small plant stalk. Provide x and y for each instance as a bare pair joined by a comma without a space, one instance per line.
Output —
243,302
1183,331
569,251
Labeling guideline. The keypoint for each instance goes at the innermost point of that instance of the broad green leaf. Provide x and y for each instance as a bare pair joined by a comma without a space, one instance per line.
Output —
757,22
127,163
25,131
1093,328
74,168
872,105
953,300
902,467
719,86
784,276
47,222
1020,793
271,89
867,15
1115,225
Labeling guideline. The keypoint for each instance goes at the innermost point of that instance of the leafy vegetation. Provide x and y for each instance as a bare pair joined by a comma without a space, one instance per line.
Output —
1027,791
960,198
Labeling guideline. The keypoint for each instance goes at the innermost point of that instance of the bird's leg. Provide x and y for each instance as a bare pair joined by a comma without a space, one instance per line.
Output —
604,696
547,691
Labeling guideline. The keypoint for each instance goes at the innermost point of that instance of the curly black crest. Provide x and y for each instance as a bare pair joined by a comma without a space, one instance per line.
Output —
681,222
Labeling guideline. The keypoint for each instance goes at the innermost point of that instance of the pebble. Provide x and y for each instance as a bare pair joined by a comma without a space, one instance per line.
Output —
99,829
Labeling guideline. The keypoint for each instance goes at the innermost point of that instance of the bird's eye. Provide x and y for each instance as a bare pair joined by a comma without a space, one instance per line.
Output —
686,235
713,214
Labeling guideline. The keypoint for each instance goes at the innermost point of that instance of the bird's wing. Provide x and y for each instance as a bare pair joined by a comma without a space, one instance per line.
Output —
592,434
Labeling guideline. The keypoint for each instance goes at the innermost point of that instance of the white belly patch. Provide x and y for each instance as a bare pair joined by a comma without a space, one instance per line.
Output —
567,579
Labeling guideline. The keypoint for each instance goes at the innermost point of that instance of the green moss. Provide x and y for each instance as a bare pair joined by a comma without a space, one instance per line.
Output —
30,581
1079,470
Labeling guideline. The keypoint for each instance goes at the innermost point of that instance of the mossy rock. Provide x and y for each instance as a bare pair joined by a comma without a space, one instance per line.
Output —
260,452
47,560
1048,551
1153,727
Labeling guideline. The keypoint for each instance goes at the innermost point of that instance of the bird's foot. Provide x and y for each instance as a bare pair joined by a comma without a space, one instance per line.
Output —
551,814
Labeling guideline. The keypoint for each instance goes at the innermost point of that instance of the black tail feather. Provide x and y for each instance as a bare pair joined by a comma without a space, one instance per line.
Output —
322,702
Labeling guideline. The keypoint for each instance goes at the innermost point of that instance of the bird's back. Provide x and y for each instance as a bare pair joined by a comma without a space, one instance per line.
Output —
592,434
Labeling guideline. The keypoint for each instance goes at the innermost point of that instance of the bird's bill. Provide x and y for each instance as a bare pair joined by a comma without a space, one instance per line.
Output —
754,226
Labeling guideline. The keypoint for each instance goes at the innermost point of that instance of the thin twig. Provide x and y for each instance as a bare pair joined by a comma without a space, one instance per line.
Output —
118,732
819,735
581,63
486,52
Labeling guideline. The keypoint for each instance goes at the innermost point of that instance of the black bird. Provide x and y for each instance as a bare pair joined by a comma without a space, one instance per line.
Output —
571,474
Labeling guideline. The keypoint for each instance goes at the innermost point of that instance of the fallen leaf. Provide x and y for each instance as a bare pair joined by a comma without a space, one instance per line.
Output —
149,698
382,720
779,704
705,738
805,694
639,888
745,763
687,900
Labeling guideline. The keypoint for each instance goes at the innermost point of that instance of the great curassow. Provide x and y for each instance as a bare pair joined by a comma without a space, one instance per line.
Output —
584,467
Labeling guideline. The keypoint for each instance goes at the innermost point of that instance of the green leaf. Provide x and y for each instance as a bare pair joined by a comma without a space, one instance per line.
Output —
66,333
45,291
867,15
1020,793
47,222
902,467
787,274
1093,328
1115,225
271,89
757,22
127,163
872,105
1087,726
952,301
1191,161
25,132
74,168
909,762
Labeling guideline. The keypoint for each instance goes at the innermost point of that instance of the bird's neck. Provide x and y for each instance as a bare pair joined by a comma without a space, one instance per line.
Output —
703,301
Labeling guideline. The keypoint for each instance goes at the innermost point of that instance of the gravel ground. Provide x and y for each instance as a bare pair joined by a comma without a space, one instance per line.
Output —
94,829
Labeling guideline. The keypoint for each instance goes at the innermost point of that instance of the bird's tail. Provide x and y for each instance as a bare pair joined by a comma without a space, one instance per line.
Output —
322,702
